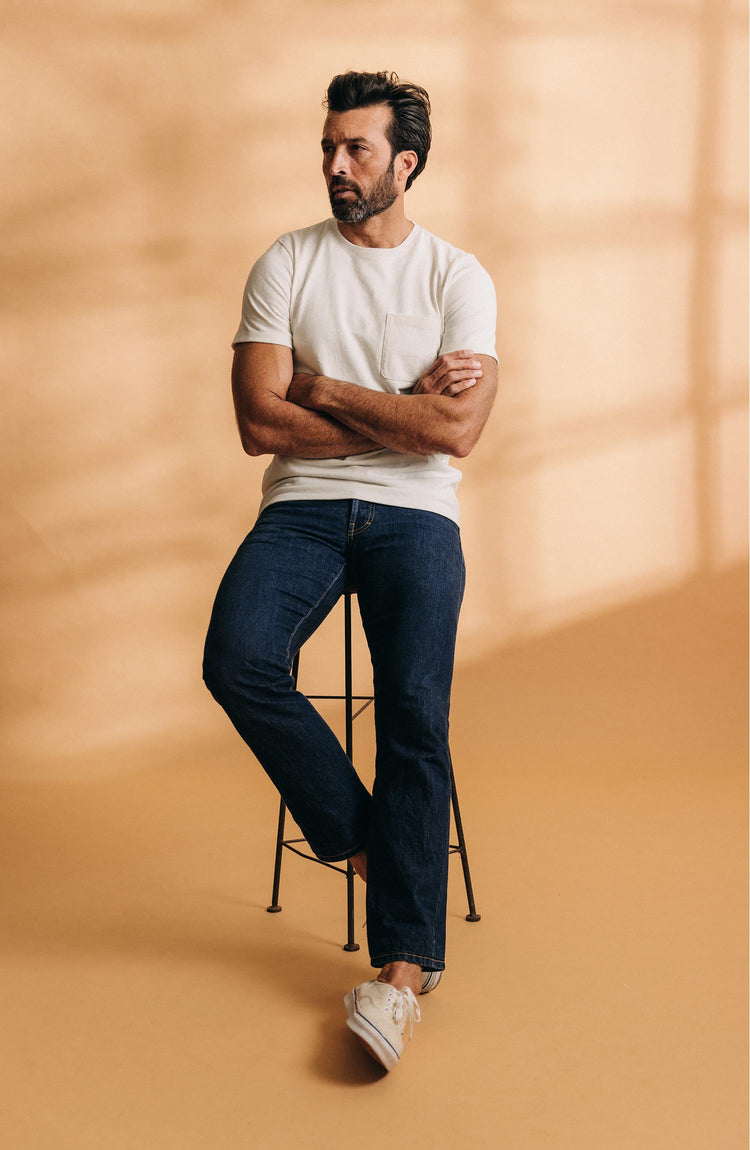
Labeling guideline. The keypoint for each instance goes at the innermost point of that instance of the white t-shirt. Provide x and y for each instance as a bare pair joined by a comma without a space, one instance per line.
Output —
377,317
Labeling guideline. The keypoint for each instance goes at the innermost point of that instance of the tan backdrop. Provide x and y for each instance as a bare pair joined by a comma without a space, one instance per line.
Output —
592,155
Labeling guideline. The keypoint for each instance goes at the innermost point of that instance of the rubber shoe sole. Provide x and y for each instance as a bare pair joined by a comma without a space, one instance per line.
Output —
375,1043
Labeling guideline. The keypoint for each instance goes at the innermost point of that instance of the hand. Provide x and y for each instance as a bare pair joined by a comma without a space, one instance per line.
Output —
451,374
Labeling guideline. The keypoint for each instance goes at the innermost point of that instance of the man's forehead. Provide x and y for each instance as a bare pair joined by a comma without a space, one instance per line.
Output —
357,124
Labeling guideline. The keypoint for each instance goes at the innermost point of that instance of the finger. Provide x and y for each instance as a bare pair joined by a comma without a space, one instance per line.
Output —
454,359
446,370
454,379
457,388
464,365
447,360
430,383
455,376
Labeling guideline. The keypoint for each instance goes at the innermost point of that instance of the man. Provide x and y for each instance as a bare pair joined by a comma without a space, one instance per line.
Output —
364,359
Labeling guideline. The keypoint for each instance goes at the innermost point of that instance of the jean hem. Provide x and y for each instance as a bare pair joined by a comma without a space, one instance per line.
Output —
338,856
426,961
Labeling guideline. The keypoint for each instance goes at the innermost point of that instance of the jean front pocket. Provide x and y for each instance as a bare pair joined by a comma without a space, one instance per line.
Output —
410,345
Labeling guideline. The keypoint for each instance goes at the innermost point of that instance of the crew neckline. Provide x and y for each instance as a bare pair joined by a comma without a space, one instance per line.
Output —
376,253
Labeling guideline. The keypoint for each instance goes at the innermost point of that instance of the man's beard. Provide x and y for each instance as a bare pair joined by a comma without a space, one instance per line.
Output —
361,208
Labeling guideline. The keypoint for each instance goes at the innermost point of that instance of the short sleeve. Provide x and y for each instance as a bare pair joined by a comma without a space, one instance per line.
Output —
265,304
469,310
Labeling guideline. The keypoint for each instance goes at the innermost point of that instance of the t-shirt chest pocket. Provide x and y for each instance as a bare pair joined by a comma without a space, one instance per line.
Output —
410,346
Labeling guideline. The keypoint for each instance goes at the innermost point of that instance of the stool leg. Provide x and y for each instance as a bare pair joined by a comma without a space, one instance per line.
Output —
472,916
350,876
349,702
274,908
348,692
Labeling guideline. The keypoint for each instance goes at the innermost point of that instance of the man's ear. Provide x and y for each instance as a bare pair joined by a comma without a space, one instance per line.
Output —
405,164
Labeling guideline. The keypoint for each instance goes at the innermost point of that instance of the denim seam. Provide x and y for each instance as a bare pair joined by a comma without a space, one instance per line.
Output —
338,857
358,530
351,529
441,900
306,616
377,958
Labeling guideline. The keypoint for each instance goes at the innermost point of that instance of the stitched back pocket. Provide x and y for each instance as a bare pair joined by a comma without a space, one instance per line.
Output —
410,345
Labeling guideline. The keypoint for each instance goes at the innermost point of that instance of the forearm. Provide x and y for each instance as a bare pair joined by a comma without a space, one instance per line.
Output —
269,425
411,424
283,428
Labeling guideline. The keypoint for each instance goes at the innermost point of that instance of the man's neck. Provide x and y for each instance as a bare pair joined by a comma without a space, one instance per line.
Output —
387,229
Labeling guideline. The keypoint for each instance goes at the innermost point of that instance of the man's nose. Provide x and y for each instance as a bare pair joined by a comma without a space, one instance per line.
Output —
340,163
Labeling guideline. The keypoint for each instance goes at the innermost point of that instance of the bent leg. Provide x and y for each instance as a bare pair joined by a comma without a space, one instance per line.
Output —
281,584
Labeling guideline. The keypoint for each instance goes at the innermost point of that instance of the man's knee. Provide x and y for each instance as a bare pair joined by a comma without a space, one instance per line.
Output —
230,672
218,670
415,718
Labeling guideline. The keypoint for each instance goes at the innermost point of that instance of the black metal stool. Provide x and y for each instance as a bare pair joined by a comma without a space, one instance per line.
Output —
349,699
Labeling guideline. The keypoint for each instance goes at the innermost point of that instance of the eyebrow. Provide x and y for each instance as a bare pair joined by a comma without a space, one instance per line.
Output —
347,140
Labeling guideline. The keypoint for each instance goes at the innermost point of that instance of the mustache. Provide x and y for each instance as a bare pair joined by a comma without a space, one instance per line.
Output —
338,184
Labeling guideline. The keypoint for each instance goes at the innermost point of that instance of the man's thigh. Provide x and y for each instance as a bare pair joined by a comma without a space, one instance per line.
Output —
409,572
285,578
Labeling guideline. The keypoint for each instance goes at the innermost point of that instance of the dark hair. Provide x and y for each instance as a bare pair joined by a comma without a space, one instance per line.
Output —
409,129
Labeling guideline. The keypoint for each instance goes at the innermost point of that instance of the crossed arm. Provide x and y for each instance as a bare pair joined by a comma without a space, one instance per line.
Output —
314,417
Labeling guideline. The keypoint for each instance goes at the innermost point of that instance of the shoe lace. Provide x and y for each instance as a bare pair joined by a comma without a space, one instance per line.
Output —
404,1005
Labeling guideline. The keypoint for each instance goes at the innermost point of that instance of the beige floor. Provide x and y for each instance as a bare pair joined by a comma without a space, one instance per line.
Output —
150,1003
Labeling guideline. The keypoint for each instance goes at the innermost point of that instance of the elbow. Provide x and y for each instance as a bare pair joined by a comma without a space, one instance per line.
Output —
253,448
252,443
461,444
459,434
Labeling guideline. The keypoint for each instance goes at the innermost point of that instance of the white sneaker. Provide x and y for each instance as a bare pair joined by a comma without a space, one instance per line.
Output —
379,1015
430,979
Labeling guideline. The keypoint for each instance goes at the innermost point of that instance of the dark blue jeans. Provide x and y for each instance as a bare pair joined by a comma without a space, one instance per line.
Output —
408,570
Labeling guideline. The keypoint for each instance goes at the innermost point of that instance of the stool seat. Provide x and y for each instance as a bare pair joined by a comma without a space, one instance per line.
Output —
347,870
